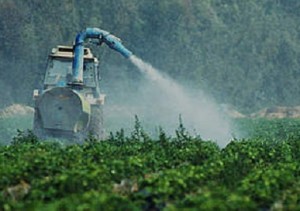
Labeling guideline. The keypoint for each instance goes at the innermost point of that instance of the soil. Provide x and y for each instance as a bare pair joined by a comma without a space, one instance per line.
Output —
16,110
278,112
231,112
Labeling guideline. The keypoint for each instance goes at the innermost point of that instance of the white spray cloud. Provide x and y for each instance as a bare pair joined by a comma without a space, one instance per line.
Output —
159,101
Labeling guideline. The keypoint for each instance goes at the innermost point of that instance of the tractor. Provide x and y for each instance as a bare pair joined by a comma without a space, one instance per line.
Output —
70,104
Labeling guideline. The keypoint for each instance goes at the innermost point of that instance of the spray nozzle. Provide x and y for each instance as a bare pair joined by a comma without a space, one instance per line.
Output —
115,43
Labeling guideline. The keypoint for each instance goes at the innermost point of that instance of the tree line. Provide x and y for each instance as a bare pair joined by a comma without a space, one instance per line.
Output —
243,53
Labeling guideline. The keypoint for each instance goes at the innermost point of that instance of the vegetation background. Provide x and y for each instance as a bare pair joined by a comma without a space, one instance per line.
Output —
243,53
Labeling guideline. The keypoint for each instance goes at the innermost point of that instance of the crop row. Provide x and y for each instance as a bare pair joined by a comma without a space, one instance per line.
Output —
138,173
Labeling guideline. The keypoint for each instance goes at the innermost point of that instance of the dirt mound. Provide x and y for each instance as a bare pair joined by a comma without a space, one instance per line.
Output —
16,110
230,111
278,112
235,114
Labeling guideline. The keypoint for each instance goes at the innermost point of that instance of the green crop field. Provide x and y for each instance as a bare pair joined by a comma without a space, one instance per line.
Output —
261,172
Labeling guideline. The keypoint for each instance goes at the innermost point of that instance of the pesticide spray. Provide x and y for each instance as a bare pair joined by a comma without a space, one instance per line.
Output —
158,100
164,100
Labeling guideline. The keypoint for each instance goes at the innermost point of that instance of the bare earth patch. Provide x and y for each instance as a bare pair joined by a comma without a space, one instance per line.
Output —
278,112
16,110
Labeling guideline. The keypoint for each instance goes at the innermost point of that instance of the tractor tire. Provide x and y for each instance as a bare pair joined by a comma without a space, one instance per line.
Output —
96,126
37,125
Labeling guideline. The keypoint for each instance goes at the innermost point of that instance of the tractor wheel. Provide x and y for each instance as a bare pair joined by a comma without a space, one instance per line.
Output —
96,122
37,124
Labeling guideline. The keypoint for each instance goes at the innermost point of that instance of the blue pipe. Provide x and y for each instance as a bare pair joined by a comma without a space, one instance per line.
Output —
93,33
115,44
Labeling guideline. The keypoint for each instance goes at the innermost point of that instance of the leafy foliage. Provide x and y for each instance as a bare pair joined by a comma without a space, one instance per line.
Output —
134,173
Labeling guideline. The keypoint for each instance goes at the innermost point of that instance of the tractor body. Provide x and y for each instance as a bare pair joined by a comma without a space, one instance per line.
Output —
63,108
